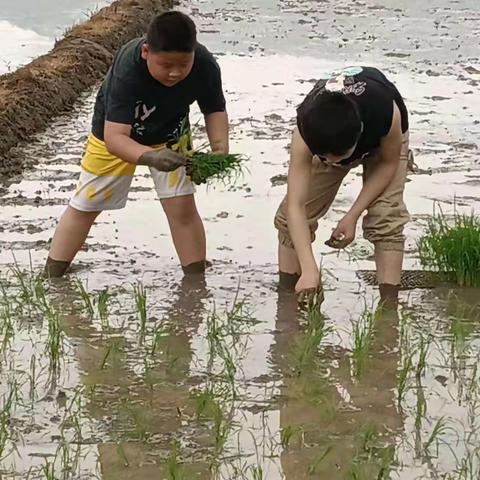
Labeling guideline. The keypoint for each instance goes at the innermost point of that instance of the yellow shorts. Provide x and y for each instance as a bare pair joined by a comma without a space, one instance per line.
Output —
105,180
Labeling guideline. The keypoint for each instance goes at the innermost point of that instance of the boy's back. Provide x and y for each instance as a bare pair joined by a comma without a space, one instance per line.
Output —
374,95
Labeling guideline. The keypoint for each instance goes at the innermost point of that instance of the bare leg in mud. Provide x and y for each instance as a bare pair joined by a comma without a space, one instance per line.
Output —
187,232
69,237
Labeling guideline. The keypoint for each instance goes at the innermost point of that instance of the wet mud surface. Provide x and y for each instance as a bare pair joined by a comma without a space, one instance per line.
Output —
257,391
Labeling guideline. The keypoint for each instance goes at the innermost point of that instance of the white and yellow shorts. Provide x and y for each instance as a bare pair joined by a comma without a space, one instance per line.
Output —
105,180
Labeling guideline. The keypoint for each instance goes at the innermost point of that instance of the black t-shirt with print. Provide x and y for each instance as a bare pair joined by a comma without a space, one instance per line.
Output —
130,95
374,94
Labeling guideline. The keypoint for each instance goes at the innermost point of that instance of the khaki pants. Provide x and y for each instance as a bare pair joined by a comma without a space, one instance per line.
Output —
386,216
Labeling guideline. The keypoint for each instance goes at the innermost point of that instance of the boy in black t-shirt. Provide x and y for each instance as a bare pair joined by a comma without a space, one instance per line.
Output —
141,118
355,116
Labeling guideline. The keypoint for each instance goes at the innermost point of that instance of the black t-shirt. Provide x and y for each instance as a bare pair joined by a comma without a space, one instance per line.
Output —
374,94
130,95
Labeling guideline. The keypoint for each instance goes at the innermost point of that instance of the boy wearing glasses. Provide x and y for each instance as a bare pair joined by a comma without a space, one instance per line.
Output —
354,117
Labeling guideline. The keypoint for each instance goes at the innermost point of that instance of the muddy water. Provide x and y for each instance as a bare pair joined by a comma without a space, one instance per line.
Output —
296,405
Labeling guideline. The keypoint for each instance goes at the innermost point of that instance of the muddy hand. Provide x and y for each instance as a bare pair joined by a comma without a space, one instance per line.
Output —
310,297
344,233
337,243
164,160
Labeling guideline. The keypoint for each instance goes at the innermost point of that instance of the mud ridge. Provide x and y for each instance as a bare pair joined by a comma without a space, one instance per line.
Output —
34,94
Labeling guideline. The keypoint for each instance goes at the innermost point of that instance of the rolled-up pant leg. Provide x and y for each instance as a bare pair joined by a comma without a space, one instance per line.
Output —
387,215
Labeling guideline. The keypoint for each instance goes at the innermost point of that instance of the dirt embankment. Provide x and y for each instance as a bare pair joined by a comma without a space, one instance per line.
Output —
32,95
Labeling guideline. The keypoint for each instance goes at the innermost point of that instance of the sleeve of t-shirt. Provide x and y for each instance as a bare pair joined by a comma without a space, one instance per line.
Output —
211,98
381,110
120,101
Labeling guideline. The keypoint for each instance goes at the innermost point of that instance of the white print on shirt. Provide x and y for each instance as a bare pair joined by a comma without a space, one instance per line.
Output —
142,112
146,111
357,88
335,84
344,84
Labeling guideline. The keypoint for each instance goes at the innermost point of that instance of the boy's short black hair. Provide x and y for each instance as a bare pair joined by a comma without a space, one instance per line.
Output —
172,32
329,122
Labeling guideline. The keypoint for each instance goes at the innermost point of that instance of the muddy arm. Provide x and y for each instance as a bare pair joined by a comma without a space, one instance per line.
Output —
298,187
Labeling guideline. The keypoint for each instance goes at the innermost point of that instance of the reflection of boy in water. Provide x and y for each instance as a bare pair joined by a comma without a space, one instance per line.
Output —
354,117
141,109
160,396
330,407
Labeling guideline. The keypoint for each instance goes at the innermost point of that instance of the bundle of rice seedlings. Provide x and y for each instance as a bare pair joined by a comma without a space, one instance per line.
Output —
206,167
453,246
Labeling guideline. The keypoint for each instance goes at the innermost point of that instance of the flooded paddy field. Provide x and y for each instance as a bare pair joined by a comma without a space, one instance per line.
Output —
125,370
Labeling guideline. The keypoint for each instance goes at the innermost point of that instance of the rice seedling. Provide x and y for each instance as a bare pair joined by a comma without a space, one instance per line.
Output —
288,433
72,416
363,333
33,378
85,297
468,467
373,461
386,463
159,334
423,349
205,167
221,351
174,468
123,455
439,429
140,297
9,401
113,351
420,413
222,425
255,472
141,423
63,465
369,438
461,328
473,388
313,467
306,348
7,331
27,291
40,292
453,246
48,470
403,377
55,336
102,305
